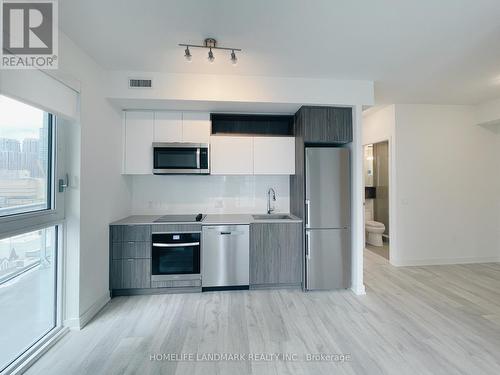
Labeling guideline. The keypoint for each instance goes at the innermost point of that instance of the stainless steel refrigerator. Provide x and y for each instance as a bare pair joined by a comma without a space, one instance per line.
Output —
327,221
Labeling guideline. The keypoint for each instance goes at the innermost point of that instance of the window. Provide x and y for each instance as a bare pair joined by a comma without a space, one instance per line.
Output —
27,291
29,231
25,158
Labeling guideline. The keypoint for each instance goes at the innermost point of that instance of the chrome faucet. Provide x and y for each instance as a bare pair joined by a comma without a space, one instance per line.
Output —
270,193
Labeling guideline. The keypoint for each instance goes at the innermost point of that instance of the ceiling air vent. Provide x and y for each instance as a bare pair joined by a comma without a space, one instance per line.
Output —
140,83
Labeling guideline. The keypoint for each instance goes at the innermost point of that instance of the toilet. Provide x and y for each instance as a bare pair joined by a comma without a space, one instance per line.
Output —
374,231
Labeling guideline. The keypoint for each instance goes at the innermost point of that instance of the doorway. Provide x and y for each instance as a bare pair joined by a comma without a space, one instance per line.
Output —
376,181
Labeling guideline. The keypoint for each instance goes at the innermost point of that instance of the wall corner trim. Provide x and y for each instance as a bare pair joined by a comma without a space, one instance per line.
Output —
359,290
87,316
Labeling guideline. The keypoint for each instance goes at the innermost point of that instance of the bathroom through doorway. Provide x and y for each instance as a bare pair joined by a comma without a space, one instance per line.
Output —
376,181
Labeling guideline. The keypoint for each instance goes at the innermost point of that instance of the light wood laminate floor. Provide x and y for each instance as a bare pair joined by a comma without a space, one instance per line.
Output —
383,250
413,320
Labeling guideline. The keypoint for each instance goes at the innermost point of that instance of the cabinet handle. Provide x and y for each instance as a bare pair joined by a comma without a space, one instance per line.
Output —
130,259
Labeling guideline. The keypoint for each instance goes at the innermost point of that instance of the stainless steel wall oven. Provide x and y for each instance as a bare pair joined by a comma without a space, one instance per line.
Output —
176,256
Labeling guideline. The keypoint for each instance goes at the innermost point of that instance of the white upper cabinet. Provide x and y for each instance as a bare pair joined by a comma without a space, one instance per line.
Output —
182,127
168,126
138,137
231,155
196,127
274,155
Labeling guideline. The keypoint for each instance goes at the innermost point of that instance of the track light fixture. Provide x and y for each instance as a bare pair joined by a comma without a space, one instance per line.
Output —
210,43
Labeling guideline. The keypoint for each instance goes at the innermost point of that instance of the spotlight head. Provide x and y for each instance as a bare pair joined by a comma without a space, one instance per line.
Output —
187,55
234,59
211,56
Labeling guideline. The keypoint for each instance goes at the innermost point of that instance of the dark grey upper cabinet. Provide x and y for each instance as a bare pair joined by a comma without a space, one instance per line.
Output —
275,254
324,124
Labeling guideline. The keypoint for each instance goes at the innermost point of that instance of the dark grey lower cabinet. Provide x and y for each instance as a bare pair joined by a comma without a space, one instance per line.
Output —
131,273
125,233
130,257
275,254
127,250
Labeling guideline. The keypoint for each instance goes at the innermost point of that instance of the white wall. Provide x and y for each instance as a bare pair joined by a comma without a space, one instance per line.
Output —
357,198
238,89
447,186
497,172
69,131
207,194
104,192
444,183
488,117
379,124
488,112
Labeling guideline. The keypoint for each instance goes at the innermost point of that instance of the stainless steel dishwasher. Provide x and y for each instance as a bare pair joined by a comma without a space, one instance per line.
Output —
225,257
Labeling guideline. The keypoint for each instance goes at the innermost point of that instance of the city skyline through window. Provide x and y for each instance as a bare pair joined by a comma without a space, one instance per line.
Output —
24,157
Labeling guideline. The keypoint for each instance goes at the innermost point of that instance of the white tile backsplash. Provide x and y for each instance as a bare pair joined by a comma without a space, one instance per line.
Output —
207,194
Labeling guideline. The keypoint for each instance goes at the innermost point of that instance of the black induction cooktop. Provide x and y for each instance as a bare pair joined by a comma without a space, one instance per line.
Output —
180,218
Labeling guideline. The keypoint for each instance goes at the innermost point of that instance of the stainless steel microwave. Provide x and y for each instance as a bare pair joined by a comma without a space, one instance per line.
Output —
181,158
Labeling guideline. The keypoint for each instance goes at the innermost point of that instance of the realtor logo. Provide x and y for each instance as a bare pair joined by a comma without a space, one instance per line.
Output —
29,34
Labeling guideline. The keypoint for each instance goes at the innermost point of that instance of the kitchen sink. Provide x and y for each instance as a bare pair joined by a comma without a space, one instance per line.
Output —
273,217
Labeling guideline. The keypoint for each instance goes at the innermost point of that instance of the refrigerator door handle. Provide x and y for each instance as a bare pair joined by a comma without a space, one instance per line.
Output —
307,261
308,246
308,216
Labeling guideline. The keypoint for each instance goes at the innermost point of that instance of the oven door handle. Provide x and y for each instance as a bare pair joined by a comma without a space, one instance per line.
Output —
158,244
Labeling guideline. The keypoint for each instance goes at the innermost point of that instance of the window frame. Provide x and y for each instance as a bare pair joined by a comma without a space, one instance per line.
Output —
52,216
18,223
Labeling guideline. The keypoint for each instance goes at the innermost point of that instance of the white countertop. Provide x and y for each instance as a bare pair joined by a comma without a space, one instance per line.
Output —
222,219
210,219
137,220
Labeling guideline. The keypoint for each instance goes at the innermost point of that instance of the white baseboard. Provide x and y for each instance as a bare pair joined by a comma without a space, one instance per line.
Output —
72,323
86,317
359,289
443,261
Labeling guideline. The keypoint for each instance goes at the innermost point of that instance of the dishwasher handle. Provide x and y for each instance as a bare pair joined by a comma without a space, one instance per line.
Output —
232,233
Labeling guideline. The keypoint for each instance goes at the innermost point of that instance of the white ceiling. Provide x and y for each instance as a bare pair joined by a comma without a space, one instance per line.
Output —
417,51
